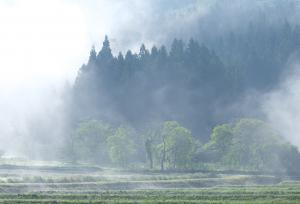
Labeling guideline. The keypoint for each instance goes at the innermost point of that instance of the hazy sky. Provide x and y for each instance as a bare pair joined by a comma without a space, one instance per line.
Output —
42,44
40,41
47,40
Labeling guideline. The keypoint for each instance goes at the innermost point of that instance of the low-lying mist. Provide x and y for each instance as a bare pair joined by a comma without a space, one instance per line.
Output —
42,45
281,105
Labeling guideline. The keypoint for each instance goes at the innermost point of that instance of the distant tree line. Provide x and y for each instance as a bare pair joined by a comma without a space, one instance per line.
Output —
246,144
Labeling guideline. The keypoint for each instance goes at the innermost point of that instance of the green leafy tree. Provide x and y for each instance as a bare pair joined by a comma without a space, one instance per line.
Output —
121,147
221,141
177,146
89,141
253,145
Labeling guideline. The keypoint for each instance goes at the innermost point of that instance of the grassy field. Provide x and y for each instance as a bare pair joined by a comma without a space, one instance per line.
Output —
61,184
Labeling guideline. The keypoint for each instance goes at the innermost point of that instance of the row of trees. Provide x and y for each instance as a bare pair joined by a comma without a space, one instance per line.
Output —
168,146
247,144
251,144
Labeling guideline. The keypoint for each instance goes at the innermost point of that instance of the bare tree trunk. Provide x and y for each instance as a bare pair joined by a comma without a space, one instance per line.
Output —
163,159
149,150
151,162
174,161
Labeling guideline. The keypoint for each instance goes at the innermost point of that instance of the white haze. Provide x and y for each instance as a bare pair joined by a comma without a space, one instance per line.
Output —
42,44
282,105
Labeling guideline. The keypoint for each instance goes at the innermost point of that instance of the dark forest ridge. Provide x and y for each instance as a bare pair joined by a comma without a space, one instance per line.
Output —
159,106
190,83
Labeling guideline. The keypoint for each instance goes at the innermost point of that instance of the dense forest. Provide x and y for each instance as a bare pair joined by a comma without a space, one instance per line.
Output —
165,105
190,83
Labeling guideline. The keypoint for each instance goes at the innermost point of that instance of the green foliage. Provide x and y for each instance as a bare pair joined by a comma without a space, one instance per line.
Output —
89,141
37,184
177,145
121,146
247,144
252,144
221,140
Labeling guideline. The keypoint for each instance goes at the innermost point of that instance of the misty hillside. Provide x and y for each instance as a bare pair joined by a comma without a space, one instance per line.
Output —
159,101
190,82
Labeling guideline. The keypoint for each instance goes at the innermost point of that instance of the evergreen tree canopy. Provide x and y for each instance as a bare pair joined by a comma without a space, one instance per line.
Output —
195,84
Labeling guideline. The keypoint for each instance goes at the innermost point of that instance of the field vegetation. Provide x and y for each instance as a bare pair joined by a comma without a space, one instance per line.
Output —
44,184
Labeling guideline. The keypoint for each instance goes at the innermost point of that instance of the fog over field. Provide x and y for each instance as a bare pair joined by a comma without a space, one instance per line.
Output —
132,101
